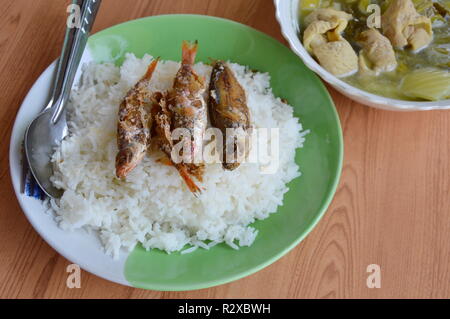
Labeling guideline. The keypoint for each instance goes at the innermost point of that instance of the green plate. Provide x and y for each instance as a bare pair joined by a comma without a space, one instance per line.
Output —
320,160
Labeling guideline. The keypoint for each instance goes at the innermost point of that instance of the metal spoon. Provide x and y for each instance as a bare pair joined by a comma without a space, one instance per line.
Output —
48,129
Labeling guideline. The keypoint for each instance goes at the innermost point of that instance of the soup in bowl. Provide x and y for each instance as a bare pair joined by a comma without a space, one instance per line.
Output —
392,54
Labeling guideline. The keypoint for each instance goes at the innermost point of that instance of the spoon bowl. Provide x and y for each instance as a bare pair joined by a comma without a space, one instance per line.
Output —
41,139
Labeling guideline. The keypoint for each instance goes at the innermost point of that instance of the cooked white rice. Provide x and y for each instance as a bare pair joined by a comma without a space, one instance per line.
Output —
153,206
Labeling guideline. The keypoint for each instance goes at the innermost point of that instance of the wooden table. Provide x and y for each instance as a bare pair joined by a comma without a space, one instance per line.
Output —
392,207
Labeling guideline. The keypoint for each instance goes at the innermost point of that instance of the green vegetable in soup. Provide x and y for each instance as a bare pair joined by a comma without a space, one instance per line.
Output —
362,6
309,5
424,7
427,84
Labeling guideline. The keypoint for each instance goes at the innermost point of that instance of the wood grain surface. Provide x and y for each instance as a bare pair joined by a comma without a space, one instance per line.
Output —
392,207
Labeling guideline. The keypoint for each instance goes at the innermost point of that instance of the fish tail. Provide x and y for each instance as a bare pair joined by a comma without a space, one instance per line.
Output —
189,50
187,179
151,68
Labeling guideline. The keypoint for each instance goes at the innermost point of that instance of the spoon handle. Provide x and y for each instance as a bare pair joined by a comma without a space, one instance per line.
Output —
63,59
74,45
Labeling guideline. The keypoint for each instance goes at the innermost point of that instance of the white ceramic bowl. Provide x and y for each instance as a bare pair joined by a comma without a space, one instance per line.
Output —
287,15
